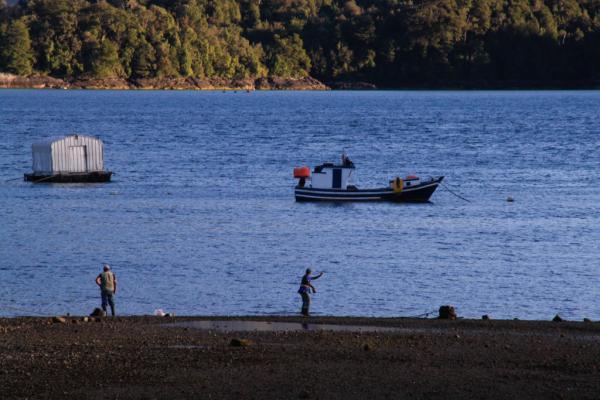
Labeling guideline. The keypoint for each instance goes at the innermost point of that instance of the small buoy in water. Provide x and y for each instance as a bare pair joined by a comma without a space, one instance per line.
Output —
510,199
114,193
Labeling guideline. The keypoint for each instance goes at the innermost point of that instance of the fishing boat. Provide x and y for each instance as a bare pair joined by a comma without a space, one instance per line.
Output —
330,182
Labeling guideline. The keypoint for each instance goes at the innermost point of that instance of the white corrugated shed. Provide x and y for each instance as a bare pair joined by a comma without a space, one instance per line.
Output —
69,154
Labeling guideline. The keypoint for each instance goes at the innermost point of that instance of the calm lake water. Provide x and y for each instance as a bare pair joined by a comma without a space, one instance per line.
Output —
201,218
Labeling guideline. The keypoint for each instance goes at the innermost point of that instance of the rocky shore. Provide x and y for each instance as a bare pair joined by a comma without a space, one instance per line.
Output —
9,81
147,357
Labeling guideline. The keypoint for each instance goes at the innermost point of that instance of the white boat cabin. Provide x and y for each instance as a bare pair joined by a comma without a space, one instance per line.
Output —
69,154
329,176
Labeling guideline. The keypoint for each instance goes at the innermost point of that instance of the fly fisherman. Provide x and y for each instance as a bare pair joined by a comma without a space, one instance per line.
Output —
305,289
108,288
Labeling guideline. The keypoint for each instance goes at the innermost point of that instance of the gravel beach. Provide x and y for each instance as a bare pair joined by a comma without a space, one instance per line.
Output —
168,358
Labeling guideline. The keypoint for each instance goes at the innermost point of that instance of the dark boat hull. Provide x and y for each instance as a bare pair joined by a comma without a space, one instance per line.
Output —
88,177
416,194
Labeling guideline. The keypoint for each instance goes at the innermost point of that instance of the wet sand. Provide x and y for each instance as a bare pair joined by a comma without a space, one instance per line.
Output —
167,358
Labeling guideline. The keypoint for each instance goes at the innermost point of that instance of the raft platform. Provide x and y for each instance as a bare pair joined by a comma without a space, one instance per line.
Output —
87,177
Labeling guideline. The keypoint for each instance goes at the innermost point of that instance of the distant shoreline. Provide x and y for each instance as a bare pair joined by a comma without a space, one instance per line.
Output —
10,81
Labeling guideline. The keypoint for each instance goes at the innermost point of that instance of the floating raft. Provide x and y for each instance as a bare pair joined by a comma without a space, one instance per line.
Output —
69,159
86,177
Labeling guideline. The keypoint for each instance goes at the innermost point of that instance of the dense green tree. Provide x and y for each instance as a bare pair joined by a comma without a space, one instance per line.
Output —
288,57
102,58
16,55
55,36
393,43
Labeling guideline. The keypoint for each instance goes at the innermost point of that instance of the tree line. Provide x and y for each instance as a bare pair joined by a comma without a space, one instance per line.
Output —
391,43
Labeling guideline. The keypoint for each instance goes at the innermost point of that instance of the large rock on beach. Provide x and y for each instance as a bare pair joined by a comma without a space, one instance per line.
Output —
447,312
98,312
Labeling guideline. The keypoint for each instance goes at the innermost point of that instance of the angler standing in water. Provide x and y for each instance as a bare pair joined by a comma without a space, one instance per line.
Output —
305,289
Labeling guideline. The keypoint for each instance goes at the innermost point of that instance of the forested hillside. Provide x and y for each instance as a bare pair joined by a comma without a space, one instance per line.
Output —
391,43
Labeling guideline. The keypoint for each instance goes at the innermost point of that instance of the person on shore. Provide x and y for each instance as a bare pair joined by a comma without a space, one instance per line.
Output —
107,282
305,289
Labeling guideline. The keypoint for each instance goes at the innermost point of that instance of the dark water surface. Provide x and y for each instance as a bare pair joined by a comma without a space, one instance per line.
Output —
201,219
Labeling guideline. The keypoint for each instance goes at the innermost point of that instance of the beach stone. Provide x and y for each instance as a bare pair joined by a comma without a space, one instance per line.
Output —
447,312
236,342
304,394
59,320
98,312
557,318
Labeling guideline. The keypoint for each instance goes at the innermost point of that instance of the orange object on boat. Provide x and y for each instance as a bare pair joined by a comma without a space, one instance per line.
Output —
302,172
412,177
